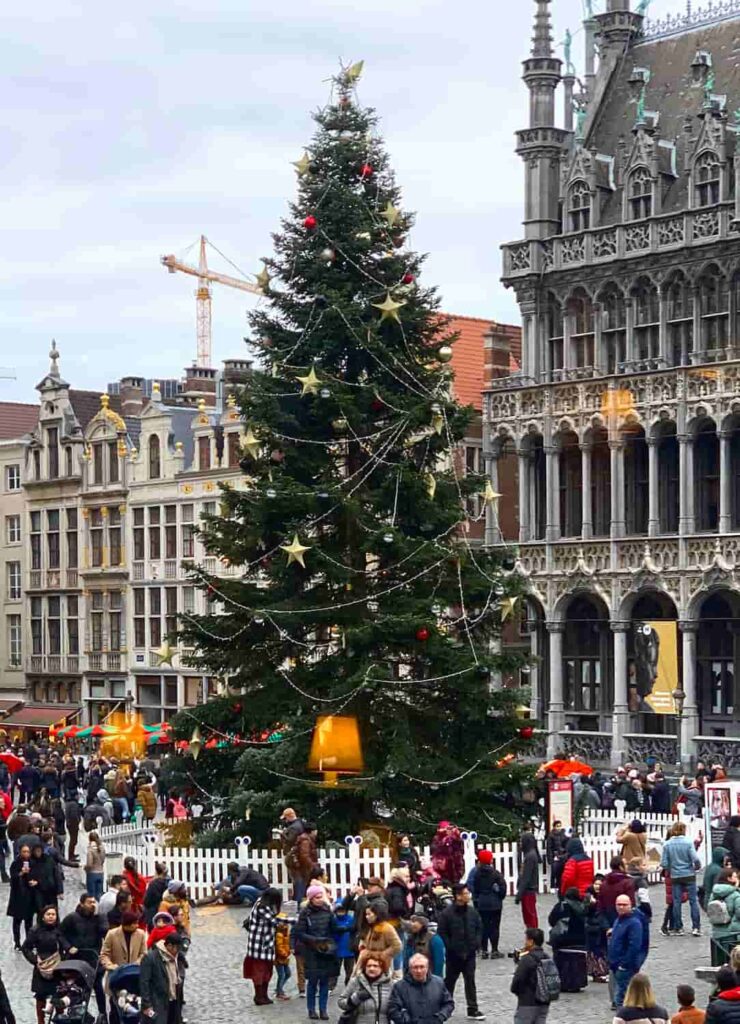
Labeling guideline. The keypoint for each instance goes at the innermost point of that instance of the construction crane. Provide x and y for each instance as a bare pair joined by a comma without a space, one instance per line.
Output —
6,373
203,295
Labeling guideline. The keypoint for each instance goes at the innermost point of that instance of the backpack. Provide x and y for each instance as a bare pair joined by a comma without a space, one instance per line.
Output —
547,981
718,913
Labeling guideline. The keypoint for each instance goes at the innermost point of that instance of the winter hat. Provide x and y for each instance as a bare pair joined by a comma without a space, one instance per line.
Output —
175,886
129,917
443,825
103,796
485,856
315,890
162,918
636,827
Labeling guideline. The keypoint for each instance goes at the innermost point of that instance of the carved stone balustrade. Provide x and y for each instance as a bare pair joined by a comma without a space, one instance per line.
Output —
642,746
718,749
591,747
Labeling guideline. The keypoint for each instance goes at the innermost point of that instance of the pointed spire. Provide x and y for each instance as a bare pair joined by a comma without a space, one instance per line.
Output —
54,357
542,38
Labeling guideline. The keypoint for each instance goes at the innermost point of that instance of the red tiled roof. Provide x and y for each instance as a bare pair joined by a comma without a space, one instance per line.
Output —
17,419
467,358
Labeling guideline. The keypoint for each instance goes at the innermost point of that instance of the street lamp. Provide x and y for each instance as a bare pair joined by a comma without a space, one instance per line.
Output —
679,698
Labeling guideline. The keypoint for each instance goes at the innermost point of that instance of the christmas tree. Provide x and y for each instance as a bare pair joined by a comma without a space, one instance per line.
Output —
360,594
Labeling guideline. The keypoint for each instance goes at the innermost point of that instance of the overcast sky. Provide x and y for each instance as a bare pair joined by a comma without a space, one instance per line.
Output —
129,130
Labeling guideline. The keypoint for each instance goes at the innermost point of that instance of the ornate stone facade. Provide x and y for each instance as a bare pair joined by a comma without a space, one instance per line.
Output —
624,422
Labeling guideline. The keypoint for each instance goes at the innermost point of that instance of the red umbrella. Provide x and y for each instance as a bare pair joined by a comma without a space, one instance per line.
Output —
563,768
14,763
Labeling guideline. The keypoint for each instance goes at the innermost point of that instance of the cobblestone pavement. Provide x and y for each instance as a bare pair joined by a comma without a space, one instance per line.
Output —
217,994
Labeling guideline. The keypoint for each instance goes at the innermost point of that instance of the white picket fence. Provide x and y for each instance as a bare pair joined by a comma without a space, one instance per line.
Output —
201,869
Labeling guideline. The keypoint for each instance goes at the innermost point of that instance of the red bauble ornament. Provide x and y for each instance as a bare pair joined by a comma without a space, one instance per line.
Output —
422,633
310,223
526,732
211,593
377,405
236,708
277,455
407,279
366,171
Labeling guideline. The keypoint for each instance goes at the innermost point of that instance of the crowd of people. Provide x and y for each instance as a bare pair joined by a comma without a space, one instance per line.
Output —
394,948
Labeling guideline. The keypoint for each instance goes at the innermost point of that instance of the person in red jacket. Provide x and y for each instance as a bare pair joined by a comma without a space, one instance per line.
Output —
136,883
616,883
578,871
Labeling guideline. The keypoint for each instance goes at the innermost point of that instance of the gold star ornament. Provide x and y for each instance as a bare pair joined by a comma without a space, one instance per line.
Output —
295,551
165,654
391,214
310,382
249,443
508,607
354,72
303,165
389,308
431,485
489,495
263,279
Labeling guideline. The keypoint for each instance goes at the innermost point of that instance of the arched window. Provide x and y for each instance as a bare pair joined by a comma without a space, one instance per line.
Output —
586,666
679,319
601,474
640,194
571,486
706,476
647,322
581,313
555,334
155,462
535,468
579,206
613,328
636,481
706,180
668,478
714,306
716,661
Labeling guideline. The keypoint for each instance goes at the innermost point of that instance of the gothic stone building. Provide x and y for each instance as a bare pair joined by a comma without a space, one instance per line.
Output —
624,423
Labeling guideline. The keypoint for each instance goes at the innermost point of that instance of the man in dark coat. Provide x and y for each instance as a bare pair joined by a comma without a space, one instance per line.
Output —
524,982
421,997
731,840
660,796
83,928
461,929
158,981
616,883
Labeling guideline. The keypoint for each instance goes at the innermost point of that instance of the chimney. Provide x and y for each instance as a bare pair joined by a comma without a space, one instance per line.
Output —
132,395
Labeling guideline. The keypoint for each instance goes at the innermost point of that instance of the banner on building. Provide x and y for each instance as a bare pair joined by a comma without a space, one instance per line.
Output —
654,670
560,803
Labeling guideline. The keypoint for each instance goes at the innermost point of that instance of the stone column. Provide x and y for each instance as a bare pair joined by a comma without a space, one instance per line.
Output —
525,496
690,720
556,709
493,533
535,680
663,329
686,484
587,525
552,455
616,449
621,713
725,482
697,351
653,492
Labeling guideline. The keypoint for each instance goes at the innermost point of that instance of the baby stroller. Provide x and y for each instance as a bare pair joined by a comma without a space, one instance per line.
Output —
123,986
74,981
433,898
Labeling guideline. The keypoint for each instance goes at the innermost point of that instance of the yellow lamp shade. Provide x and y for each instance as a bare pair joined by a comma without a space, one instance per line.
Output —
336,746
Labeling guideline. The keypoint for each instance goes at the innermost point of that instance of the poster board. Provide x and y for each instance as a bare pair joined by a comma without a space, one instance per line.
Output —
722,801
654,671
560,803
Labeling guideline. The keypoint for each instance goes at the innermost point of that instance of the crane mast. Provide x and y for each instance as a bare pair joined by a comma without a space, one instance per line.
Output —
203,296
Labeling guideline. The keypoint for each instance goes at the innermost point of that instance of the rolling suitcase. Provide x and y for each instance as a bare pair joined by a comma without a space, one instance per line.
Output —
571,965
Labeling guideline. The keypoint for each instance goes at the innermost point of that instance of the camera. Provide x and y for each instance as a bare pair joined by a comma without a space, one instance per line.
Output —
515,955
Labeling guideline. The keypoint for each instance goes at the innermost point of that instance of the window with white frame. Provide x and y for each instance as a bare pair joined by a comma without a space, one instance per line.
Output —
12,529
706,180
12,478
73,625
115,620
15,587
52,538
640,194
36,549
96,621
15,641
37,626
54,625
71,538
139,617
579,206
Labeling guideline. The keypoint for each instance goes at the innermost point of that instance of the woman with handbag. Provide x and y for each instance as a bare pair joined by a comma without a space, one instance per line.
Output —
315,941
45,947
365,999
